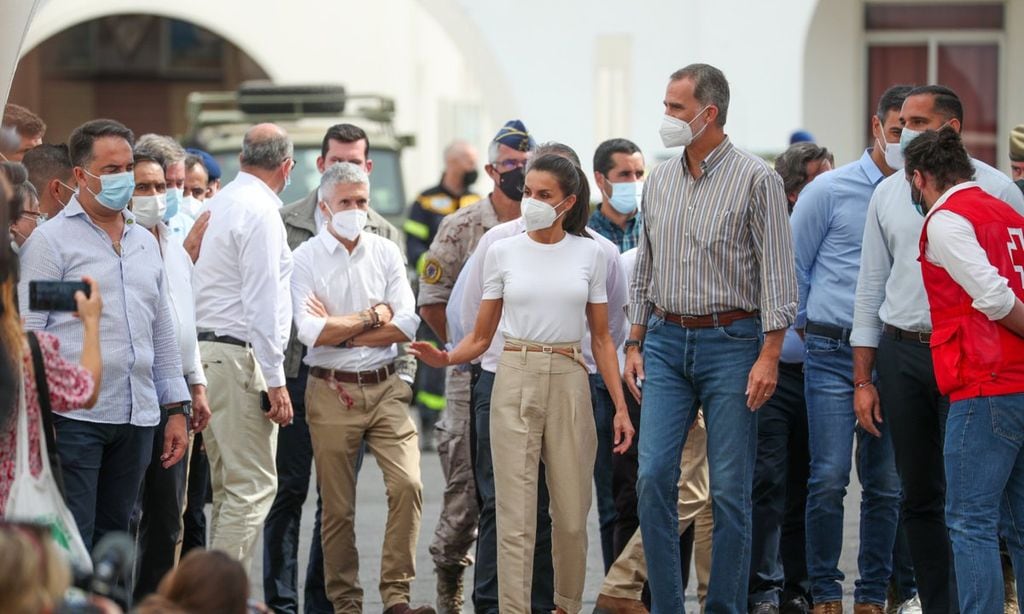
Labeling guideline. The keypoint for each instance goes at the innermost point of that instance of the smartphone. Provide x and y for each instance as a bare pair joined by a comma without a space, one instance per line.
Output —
54,295
264,401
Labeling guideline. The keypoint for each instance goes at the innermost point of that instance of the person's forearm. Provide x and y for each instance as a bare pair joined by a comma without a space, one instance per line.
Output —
608,367
340,329
92,359
1014,320
637,332
469,349
772,348
863,362
380,337
436,319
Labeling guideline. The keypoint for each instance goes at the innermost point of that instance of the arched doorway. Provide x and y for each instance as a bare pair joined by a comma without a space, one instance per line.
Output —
134,67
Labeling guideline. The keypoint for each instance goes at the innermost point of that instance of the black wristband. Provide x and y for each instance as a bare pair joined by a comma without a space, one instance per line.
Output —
633,343
185,409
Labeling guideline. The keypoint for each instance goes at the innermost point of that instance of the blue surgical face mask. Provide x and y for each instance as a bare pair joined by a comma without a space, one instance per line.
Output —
115,189
174,196
626,196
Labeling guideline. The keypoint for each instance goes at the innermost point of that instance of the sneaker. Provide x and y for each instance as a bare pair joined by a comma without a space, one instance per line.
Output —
910,606
765,607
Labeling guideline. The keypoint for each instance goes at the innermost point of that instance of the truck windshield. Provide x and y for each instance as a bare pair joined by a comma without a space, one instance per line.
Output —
386,191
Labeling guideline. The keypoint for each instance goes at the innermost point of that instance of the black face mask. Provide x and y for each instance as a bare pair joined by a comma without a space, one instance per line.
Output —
511,183
469,178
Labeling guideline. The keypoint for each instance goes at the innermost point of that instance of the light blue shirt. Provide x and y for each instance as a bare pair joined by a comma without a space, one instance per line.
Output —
828,229
141,357
179,226
792,347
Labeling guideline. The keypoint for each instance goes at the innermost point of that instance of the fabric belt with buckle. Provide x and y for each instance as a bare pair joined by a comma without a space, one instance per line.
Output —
215,338
908,336
570,352
714,320
362,378
836,333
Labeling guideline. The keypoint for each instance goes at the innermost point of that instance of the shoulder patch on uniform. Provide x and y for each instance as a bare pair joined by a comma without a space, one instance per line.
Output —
432,271
438,203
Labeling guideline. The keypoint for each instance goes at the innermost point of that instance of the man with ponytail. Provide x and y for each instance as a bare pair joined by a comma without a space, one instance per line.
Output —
972,262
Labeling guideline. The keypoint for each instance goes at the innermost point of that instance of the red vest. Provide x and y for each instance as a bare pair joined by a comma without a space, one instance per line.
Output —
975,356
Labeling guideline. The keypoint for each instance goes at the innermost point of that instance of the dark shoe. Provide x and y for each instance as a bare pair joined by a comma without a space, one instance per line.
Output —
797,605
607,604
449,588
403,608
765,607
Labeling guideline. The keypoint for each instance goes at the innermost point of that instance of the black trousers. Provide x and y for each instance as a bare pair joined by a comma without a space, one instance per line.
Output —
161,503
916,413
778,558
195,498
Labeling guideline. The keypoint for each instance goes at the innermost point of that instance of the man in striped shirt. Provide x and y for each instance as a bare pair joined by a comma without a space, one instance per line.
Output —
713,293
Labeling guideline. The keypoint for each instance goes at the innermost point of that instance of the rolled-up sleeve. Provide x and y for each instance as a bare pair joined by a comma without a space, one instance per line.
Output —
260,263
399,293
773,247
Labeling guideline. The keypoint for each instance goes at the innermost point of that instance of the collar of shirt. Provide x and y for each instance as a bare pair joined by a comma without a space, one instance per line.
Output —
75,208
599,218
951,191
713,159
248,178
871,170
332,244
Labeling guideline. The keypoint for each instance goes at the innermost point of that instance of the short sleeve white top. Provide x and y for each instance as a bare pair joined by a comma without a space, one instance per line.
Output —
545,288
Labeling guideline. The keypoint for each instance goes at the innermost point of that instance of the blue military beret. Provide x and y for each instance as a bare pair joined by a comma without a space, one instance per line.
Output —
801,136
212,168
513,134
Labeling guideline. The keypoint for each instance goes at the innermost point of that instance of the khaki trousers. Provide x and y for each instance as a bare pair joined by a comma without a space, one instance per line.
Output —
627,575
241,444
456,528
541,409
380,416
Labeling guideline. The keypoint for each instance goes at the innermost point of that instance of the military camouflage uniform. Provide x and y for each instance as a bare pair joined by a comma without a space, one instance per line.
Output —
454,244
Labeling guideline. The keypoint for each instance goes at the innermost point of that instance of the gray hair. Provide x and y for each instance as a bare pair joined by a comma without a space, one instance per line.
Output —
791,165
161,148
265,150
338,173
710,87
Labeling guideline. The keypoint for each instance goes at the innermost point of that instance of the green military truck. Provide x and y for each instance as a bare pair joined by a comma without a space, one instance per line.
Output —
218,121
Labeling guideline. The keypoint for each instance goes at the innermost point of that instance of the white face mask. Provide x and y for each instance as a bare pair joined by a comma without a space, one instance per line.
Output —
348,224
893,155
191,206
149,210
538,214
677,133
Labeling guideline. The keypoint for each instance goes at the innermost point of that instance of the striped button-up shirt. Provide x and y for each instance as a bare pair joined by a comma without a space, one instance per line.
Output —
715,243
141,357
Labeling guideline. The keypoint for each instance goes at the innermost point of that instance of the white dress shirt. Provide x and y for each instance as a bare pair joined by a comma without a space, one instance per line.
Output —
953,245
241,279
178,266
890,288
616,285
348,283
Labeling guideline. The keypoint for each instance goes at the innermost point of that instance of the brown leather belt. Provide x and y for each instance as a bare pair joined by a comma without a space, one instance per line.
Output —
362,378
714,320
909,336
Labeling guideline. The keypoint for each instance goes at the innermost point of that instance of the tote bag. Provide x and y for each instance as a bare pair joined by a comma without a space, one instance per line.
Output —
36,499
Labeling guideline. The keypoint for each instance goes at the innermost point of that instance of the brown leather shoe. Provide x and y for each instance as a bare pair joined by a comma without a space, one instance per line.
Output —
828,607
606,604
403,608
868,608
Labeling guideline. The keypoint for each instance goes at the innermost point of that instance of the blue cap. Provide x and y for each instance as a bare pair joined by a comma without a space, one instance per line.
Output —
513,134
212,168
801,136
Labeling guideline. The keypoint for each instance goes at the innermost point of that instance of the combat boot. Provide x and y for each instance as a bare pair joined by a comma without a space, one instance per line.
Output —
449,588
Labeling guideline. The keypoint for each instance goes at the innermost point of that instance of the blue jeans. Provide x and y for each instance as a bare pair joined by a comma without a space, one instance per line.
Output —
604,416
985,493
485,578
832,426
103,467
687,369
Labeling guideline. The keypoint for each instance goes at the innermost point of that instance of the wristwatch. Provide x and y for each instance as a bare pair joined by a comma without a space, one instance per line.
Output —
185,409
633,343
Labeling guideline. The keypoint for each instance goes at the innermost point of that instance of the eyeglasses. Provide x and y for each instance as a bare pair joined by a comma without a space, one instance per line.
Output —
509,164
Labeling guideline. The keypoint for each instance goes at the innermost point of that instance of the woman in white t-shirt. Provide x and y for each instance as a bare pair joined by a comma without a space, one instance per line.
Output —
549,283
